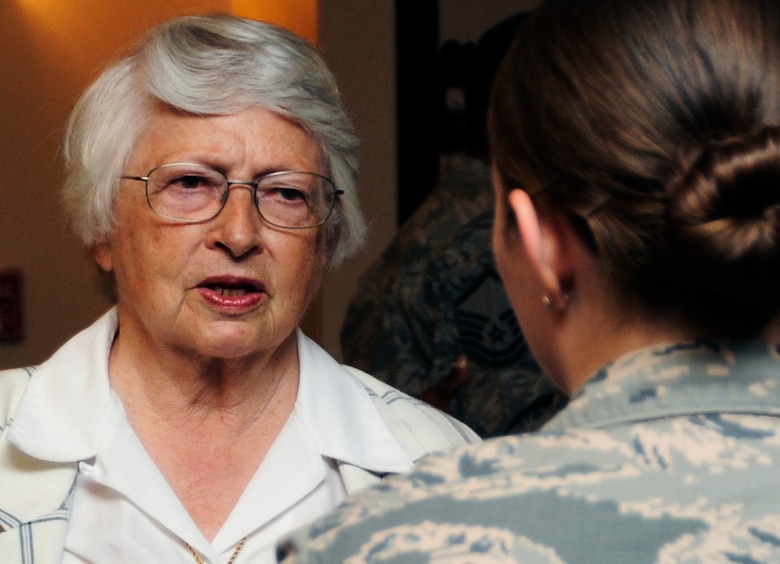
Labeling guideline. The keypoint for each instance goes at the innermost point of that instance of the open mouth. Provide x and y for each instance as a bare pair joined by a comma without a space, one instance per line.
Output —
233,288
231,291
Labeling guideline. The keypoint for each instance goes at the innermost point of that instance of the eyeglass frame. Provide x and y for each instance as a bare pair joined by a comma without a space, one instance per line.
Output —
255,184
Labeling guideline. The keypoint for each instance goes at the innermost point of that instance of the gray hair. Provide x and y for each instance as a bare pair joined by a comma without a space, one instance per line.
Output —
207,65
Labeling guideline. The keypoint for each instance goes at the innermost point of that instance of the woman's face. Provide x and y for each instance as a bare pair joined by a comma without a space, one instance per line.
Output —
225,288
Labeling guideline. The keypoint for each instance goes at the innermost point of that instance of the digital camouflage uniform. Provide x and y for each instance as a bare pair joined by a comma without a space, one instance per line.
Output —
670,454
435,295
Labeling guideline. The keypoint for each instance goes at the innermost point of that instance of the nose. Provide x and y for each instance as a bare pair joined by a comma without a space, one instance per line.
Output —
237,228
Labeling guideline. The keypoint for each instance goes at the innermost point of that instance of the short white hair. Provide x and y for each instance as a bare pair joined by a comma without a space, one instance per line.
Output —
207,65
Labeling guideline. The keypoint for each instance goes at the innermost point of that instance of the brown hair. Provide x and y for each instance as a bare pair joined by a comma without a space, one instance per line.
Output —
655,124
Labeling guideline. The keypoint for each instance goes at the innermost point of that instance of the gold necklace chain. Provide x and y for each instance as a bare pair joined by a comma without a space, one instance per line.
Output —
233,556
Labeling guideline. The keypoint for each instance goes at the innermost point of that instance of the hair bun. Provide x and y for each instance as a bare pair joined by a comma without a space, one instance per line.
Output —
723,231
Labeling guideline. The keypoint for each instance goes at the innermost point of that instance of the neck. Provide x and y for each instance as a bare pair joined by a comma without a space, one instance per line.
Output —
601,324
598,333
771,333
206,423
183,387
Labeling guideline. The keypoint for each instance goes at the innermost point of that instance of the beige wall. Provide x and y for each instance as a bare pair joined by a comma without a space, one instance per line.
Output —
358,42
49,51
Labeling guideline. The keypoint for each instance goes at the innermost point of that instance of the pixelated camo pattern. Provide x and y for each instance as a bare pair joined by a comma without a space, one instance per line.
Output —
435,295
670,455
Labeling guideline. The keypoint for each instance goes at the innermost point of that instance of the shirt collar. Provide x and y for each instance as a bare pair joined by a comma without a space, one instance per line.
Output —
341,414
61,415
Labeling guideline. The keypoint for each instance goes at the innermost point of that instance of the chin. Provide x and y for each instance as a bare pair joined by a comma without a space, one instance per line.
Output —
241,341
219,349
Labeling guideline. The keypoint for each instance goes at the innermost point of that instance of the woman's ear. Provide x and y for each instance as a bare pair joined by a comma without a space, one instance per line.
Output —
543,239
101,252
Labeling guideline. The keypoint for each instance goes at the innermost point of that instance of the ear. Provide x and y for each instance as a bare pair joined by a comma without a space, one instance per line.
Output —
101,252
543,236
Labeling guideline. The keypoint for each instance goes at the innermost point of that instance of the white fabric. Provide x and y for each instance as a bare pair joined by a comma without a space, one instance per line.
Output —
119,488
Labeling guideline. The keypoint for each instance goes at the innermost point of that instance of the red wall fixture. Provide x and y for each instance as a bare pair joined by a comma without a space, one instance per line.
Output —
11,317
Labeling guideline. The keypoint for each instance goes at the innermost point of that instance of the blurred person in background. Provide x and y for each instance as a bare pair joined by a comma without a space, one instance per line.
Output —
430,316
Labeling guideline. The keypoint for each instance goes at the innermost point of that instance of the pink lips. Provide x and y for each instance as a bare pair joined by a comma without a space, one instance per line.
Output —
232,292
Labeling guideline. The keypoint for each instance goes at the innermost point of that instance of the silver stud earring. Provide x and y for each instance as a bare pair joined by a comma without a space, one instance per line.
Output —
562,302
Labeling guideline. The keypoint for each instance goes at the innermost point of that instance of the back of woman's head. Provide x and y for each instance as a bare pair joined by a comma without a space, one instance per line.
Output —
655,124
207,65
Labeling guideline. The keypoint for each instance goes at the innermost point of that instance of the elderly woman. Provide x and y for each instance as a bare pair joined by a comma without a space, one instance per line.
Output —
636,157
212,174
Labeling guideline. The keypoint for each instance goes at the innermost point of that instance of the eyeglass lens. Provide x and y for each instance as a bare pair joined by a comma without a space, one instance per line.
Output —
191,192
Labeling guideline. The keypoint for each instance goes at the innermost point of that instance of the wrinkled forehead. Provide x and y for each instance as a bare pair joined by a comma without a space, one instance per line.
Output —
253,134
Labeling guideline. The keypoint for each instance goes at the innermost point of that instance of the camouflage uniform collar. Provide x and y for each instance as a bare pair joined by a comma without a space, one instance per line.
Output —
677,379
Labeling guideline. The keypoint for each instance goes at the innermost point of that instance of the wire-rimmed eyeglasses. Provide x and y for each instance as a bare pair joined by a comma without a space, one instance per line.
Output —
193,193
